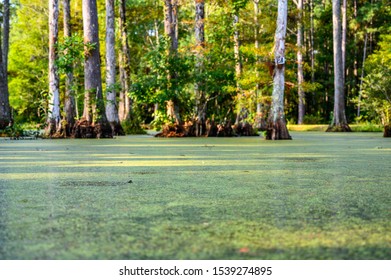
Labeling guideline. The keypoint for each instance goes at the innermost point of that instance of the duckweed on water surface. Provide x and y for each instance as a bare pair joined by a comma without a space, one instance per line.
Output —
320,196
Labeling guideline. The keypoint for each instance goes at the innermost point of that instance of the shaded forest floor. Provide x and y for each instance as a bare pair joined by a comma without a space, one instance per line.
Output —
320,196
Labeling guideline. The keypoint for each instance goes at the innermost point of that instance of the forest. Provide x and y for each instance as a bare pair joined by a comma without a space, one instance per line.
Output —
91,69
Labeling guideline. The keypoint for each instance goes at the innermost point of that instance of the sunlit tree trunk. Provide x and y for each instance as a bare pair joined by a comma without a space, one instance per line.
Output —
124,105
312,35
277,129
171,23
339,122
54,116
344,35
5,109
238,62
69,102
256,45
94,115
300,73
362,75
6,35
171,31
111,95
199,90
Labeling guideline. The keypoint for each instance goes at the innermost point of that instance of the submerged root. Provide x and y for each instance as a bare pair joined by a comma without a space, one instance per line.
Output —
387,131
85,129
339,128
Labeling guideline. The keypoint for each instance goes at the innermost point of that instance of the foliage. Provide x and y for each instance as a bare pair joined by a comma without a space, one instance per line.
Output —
14,131
366,127
376,92
163,77
72,51
28,62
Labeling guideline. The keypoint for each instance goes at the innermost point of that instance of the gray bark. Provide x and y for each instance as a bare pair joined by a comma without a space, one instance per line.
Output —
256,45
277,129
312,35
300,73
362,74
339,122
5,110
238,62
344,34
54,116
171,22
199,90
241,111
94,110
6,33
171,31
124,106
111,96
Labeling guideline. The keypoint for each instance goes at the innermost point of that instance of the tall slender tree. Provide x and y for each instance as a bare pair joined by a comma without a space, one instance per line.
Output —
344,38
124,104
111,96
256,45
6,35
300,72
339,122
238,60
54,115
199,87
277,129
69,101
171,31
5,109
94,123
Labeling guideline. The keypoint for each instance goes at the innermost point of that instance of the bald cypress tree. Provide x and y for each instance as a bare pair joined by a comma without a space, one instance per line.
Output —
54,115
94,123
277,129
5,109
339,122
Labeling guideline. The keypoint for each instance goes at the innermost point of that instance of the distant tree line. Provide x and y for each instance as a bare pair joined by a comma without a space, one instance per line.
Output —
96,68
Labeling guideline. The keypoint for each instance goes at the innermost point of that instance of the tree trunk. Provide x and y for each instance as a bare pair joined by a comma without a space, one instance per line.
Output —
5,109
171,31
260,121
69,102
300,73
362,75
343,43
238,62
339,122
6,35
94,122
242,111
256,45
54,116
111,96
171,23
277,129
124,106
201,103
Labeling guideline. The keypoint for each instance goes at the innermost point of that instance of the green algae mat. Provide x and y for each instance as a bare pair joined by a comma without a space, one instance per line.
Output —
320,196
